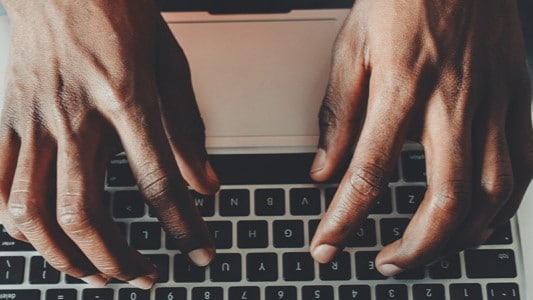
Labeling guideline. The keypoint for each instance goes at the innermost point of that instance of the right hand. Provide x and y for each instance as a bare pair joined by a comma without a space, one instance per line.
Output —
84,79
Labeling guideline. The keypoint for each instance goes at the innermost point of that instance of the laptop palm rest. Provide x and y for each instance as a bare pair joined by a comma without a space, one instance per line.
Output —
266,78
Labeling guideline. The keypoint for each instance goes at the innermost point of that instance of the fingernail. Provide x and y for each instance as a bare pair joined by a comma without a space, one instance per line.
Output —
319,162
325,253
144,283
389,270
201,257
96,280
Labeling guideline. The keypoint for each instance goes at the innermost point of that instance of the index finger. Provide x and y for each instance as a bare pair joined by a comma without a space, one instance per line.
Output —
372,164
143,137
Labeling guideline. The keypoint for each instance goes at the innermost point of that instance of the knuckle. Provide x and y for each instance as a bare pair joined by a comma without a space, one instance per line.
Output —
75,217
22,209
498,189
368,180
155,185
453,198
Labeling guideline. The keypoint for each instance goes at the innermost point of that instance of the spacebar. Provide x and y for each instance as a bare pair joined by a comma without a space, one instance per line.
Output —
490,263
20,294
263,168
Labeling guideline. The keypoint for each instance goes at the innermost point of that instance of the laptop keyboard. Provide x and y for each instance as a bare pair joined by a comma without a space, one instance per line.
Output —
262,221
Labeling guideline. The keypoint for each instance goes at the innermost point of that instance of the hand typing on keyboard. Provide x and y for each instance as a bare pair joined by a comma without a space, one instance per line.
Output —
84,76
457,66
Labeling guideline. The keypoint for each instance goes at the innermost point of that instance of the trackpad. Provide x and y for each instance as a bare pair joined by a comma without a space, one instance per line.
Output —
256,78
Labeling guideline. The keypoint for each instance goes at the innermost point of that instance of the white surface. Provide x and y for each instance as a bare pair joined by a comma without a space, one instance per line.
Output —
260,81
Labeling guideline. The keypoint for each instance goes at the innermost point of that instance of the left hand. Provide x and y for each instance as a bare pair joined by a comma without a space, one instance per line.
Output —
453,76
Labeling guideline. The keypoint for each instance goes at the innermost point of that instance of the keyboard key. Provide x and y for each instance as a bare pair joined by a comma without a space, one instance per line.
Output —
128,204
298,266
119,173
7,243
490,264
365,236
41,272
280,293
136,294
186,271
262,266
288,234
243,292
391,291
207,293
204,203
428,292
414,166
170,293
317,292
383,205
160,261
354,292
11,269
313,225
222,233
503,291
226,267
501,236
97,294
338,269
269,202
252,234
305,202
365,266
465,291
447,268
408,198
234,203
145,235
61,294
21,294
392,229
329,194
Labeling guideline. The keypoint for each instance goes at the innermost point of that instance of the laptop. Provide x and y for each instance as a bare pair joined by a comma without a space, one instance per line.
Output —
259,74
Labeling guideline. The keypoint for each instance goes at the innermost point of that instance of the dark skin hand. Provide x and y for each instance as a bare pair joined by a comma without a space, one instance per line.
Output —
458,68
84,75
86,80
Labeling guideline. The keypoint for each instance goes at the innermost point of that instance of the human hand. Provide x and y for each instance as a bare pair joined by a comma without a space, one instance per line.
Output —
84,79
456,67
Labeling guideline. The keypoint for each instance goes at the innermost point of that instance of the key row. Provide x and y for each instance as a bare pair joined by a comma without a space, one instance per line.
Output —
285,234
254,234
296,266
267,169
270,202
457,291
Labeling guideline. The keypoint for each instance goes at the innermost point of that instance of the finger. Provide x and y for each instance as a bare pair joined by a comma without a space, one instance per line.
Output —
372,164
159,179
9,149
34,215
342,109
492,169
181,116
520,137
447,199
83,217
